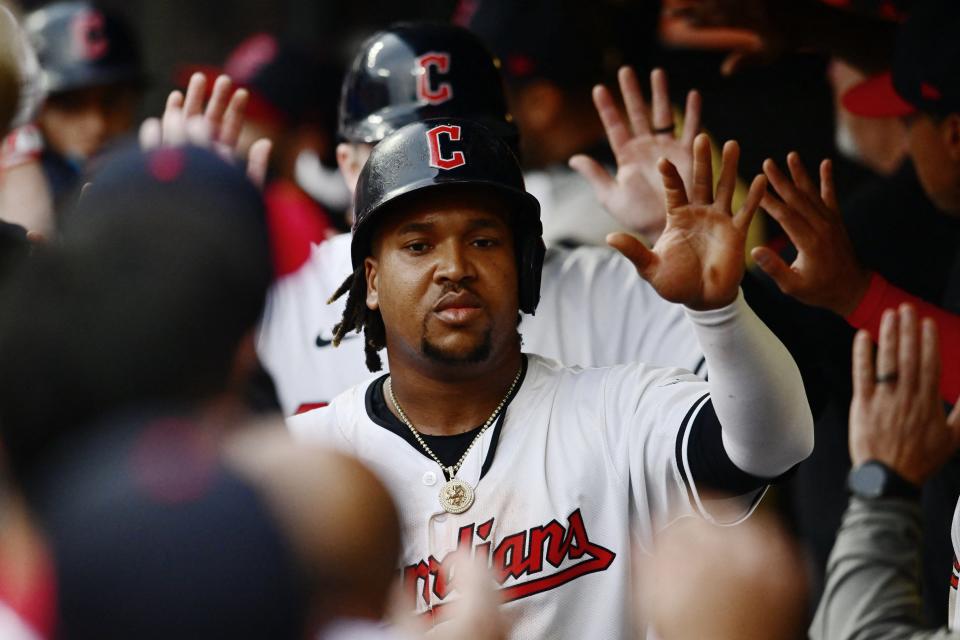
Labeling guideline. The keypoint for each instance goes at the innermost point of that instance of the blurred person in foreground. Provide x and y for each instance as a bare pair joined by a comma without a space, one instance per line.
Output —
164,267
758,589
160,528
26,585
899,436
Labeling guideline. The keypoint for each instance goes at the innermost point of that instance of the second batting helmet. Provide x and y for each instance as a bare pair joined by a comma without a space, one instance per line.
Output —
416,71
450,153
80,46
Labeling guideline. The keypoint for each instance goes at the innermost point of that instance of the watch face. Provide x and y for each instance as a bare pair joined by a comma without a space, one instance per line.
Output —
868,480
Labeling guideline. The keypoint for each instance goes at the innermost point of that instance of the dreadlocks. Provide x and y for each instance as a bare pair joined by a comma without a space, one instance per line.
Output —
357,317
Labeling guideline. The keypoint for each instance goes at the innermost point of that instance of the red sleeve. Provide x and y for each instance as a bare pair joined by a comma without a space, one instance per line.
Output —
295,223
882,295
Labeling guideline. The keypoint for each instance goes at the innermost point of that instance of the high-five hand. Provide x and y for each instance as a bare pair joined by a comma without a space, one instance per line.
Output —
826,272
897,416
698,261
635,196
185,121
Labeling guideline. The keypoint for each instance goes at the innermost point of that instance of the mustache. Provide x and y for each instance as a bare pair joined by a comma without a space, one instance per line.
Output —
462,294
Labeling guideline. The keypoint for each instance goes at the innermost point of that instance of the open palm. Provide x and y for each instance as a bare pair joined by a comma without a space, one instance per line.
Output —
698,261
634,196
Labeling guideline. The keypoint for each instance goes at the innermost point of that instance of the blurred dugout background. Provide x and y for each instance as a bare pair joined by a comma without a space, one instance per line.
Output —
177,32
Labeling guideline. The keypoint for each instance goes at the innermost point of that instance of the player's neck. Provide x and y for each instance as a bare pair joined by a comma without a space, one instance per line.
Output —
438,403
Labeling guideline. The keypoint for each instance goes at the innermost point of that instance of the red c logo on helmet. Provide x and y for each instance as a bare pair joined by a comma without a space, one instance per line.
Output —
437,159
89,35
429,63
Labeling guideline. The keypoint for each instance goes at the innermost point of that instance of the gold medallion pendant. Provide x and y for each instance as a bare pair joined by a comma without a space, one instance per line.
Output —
456,496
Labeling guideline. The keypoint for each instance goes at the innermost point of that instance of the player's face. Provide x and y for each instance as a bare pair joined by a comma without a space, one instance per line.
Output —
77,124
444,276
934,148
350,158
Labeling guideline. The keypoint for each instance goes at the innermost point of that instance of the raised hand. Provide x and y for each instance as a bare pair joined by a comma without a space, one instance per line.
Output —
897,416
635,196
218,126
698,261
826,272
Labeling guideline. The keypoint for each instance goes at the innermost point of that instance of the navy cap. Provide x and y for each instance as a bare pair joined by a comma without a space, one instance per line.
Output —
153,537
79,45
924,75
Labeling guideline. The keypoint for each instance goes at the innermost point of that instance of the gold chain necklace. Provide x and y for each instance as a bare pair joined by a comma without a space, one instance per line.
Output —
456,496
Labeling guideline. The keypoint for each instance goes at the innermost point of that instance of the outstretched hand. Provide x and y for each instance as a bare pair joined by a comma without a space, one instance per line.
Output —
826,272
698,261
217,127
635,195
897,415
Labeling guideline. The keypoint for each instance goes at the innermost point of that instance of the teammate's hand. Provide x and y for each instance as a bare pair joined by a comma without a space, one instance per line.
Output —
698,260
826,272
763,18
897,416
185,121
635,196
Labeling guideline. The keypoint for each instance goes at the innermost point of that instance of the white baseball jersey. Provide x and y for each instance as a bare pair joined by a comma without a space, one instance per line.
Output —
569,209
594,311
582,458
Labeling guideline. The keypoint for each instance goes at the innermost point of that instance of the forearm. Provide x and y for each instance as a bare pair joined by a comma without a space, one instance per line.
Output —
873,576
756,390
882,295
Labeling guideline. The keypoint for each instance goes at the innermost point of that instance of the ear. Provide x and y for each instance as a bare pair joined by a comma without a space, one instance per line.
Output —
371,270
540,104
349,161
950,131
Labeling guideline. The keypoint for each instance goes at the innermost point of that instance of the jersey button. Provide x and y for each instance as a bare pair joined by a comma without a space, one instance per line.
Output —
429,478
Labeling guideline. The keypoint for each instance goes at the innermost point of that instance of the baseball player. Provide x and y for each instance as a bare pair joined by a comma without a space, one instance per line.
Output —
415,71
91,70
549,473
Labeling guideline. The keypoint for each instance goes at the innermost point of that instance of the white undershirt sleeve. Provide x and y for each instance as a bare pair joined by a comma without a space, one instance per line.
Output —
756,390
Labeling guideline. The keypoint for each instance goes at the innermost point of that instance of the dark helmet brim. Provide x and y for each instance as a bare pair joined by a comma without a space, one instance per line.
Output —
525,208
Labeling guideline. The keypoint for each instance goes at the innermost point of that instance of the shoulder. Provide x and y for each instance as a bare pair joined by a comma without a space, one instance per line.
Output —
600,271
337,420
637,376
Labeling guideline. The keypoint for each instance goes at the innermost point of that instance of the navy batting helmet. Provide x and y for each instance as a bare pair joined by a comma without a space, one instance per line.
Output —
450,153
80,46
416,71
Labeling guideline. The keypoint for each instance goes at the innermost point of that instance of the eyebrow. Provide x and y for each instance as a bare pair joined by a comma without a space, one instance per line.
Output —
485,223
416,227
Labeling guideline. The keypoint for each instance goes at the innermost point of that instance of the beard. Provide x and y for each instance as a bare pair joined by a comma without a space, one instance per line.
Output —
438,354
